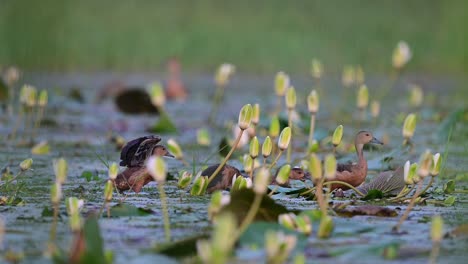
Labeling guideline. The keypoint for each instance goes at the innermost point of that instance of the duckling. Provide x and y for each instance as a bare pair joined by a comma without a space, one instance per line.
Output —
134,155
296,173
222,180
355,174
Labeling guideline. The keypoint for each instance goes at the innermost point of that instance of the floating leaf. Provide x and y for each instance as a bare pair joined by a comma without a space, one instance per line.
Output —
89,176
164,125
129,210
373,194
135,101
449,187
449,201
180,248
93,251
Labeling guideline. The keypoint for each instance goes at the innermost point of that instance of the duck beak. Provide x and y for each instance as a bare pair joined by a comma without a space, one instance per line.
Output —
168,154
376,141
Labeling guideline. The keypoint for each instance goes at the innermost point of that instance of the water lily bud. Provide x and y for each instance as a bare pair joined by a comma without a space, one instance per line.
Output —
157,96
41,148
283,174
218,200
337,135
437,228
31,96
401,55
274,127
175,149
330,167
199,185
255,114
303,224
61,170
409,126
290,98
26,164
11,75
347,78
108,190
239,182
74,205
254,147
299,259
56,193
43,98
224,73
267,147
261,181
435,164
184,180
315,167
363,97
224,232
287,220
408,177
247,162
416,95
325,227
203,137
425,164
278,246
245,116
284,138
375,108
313,102
316,68
281,83
314,147
157,168
360,77
24,94
113,171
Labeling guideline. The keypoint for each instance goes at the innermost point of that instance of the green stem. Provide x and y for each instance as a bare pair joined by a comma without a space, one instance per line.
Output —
252,169
234,146
409,207
276,159
37,122
434,252
320,199
250,215
216,102
53,229
273,191
311,132
288,155
167,223
347,185
428,185
401,195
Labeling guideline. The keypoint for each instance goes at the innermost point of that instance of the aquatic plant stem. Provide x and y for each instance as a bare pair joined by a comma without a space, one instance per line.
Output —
311,132
219,92
234,146
320,199
347,185
434,252
428,185
53,229
402,194
167,223
250,215
252,169
37,122
409,207
276,159
288,155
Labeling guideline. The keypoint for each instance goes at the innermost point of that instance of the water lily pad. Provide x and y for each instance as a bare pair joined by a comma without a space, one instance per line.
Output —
449,187
449,201
181,248
373,194
89,176
164,125
93,250
129,210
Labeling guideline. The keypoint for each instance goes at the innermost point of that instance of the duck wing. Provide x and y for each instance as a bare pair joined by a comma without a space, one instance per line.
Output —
131,148
344,167
144,150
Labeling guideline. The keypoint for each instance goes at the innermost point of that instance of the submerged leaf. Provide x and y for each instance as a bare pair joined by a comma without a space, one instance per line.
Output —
373,194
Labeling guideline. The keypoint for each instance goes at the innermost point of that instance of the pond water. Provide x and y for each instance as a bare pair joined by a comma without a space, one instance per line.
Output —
79,132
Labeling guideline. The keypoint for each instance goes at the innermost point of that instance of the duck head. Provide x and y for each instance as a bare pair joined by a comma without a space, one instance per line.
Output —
365,137
160,150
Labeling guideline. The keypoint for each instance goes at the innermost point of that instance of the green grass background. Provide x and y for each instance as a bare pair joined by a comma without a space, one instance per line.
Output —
257,36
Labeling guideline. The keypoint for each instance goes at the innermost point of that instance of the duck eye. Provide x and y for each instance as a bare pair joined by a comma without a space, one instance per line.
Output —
367,134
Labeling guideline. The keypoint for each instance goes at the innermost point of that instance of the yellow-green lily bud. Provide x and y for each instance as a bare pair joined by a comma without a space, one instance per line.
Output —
11,75
401,55
363,97
56,192
205,251
74,206
348,76
409,126
283,174
325,227
281,83
184,180
425,164
410,175
316,68
43,98
113,171
337,135
436,161
254,147
313,102
274,127
175,149
157,96
314,147
157,168
203,137
267,147
375,108
330,167
224,232
437,228
315,167
360,77
278,246
245,116
287,220
261,181
199,185
41,148
255,114
247,162
303,224
218,200
290,98
61,170
284,138
223,74
26,164
108,190
416,95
